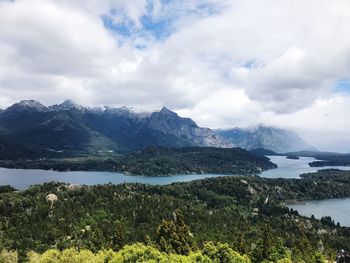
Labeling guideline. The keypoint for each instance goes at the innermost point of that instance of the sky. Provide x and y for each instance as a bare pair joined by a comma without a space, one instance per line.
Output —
224,63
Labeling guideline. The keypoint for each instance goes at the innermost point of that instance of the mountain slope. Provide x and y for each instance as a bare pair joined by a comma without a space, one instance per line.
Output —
274,139
67,129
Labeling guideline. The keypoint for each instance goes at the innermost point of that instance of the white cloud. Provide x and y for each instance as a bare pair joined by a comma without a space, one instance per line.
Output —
224,63
324,123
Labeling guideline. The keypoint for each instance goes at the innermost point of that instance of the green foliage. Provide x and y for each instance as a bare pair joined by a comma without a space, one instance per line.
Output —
175,237
219,253
223,253
6,189
319,258
8,256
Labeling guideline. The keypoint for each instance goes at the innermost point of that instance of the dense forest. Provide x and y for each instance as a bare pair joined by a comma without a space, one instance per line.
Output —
229,217
158,161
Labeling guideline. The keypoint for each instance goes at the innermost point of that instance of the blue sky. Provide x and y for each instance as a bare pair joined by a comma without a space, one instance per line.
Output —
157,28
158,24
342,86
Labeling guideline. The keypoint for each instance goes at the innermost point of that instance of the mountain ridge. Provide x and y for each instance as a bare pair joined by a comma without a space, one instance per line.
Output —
67,128
265,137
30,129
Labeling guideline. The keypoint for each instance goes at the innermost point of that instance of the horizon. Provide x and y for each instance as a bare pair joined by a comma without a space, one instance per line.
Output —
222,63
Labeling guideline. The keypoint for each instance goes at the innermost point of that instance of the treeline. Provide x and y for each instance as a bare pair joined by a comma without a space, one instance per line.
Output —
244,212
330,163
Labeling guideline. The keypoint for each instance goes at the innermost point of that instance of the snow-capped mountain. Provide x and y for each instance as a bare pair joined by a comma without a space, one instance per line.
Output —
72,128
66,105
27,105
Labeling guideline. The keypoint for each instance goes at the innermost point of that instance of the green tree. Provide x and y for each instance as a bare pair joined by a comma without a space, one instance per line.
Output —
222,253
175,237
267,241
319,258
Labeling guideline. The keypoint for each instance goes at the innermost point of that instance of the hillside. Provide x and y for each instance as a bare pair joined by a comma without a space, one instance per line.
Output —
270,138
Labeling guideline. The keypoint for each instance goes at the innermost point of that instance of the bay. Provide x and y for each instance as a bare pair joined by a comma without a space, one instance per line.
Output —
337,209
291,168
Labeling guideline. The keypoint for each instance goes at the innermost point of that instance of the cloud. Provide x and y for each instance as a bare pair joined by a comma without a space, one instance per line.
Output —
323,124
224,62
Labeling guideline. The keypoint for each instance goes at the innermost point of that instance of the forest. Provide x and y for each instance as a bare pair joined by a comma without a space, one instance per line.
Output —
200,221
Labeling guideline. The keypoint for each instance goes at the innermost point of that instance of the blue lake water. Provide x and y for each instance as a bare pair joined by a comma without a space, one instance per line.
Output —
290,168
22,179
338,209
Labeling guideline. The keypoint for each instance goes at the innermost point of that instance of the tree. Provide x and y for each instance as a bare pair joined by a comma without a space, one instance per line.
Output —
174,237
318,258
267,241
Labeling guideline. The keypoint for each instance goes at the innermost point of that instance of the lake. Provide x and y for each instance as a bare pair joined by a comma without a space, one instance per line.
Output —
338,209
290,168
22,179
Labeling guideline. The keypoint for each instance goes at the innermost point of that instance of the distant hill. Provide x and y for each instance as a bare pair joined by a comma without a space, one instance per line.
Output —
270,138
29,129
263,152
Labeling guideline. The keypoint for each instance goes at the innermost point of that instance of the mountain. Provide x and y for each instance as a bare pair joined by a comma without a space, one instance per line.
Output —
169,122
29,129
66,105
270,138
27,105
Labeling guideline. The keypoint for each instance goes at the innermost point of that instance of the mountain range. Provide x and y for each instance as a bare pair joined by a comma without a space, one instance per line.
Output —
264,137
29,129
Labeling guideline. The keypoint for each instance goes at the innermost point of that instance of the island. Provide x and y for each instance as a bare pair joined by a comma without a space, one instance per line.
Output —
158,161
293,157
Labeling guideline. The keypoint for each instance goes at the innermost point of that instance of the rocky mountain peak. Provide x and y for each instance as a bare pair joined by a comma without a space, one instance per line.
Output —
168,113
66,105
165,110
27,105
